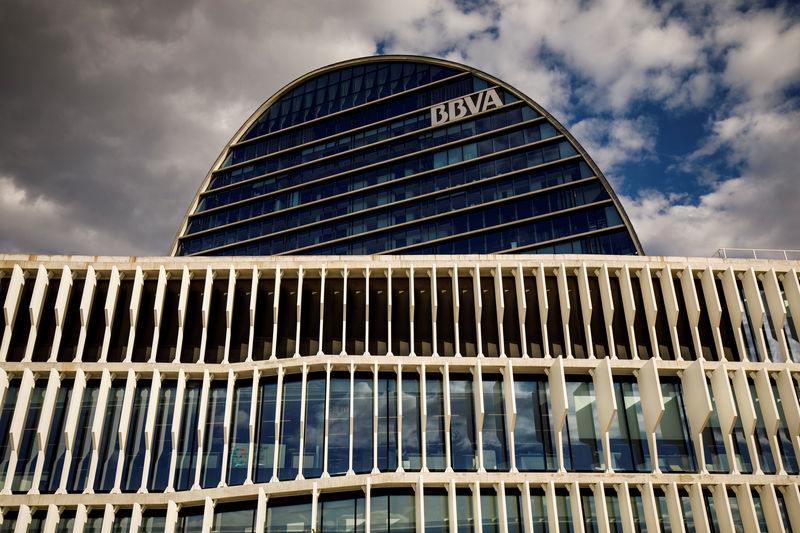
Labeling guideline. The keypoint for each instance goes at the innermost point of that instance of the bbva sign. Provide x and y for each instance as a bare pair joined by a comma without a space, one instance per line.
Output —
465,106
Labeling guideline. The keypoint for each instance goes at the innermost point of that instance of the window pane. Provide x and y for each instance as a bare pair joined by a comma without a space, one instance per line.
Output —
582,450
108,450
392,513
675,453
539,510
162,438
627,438
134,450
436,512
412,451
342,515
489,520
82,447
56,445
533,436
513,511
265,450
462,424
234,518
387,423
288,515
314,436
434,423
495,451
187,442
564,511
464,513
339,425
289,450
240,432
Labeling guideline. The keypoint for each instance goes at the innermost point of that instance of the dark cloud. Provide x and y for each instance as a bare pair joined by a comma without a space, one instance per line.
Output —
113,112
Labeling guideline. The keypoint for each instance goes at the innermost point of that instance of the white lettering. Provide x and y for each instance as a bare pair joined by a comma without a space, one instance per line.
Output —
474,106
457,109
465,106
438,115
492,99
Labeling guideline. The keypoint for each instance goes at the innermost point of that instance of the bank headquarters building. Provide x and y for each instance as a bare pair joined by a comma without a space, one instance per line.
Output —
403,299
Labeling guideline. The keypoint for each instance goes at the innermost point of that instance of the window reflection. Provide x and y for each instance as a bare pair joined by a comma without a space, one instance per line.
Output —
412,432
341,514
392,512
288,515
462,423
187,442
434,424
134,450
582,450
162,437
314,435
675,448
56,444
339,424
495,449
289,447
108,451
239,453
265,448
627,437
534,446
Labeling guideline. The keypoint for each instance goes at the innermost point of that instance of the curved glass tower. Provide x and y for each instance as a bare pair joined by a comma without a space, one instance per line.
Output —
403,154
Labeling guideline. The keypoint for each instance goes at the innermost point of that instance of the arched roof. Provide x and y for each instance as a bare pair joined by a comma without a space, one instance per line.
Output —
277,113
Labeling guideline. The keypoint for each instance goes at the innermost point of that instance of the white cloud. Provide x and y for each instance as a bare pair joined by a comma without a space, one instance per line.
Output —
756,209
611,142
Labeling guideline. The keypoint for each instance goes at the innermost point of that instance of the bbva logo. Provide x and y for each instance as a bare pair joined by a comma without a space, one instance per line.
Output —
462,107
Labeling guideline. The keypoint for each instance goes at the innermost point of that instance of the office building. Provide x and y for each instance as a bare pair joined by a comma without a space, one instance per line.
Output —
425,389
403,154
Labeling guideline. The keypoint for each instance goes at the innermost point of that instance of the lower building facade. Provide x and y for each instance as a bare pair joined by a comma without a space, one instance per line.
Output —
492,393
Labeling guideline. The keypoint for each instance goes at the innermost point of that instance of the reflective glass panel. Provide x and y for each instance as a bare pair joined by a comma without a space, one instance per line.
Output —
412,431
314,436
290,515
339,424
56,445
627,437
436,512
82,447
234,518
342,515
434,423
239,453
387,422
108,451
392,512
133,463
162,437
265,450
289,450
582,450
534,447
495,449
464,512
187,441
675,449
462,423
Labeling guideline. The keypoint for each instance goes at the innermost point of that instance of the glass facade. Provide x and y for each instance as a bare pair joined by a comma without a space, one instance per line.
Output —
297,435
404,155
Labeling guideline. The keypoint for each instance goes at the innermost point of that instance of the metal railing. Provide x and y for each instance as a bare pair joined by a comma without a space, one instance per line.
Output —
757,253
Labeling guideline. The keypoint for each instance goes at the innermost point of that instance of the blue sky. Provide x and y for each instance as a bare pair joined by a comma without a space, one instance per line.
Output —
116,112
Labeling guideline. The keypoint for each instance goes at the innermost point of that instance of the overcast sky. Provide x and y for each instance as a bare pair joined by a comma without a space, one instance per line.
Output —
113,112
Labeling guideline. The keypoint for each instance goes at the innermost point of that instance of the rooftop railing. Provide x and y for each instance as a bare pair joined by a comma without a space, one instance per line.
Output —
757,253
